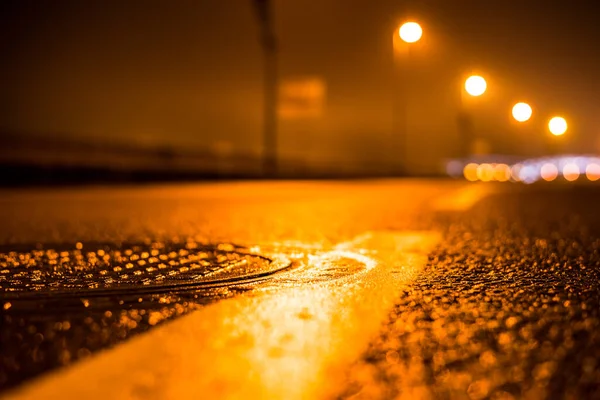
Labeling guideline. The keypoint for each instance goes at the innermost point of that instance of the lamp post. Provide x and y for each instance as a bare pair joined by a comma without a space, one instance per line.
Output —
403,40
557,126
474,86
521,113
268,42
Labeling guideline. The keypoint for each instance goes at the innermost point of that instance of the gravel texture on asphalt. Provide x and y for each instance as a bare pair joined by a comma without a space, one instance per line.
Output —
508,307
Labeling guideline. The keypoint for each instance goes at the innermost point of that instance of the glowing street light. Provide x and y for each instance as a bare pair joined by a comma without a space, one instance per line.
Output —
402,40
521,112
410,32
475,85
557,126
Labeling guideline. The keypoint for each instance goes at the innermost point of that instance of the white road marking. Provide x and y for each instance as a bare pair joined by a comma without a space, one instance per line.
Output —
464,198
292,343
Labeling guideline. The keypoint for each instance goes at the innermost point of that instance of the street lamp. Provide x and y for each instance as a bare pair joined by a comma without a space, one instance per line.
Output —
410,32
521,112
268,42
557,126
403,41
475,85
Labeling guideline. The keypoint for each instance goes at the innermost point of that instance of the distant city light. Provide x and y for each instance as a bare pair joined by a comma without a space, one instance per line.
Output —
528,171
501,172
571,172
454,169
557,126
475,85
549,172
470,172
592,171
410,32
485,172
515,170
522,112
528,174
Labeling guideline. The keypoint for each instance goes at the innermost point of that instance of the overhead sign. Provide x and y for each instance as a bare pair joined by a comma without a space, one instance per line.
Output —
301,98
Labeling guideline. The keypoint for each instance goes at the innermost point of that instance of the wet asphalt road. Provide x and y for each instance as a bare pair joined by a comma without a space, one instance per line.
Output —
507,306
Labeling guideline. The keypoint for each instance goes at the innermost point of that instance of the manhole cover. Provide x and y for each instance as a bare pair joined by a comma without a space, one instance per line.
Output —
103,269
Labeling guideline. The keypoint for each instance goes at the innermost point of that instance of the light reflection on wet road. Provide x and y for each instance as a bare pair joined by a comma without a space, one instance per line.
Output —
305,326
120,238
514,266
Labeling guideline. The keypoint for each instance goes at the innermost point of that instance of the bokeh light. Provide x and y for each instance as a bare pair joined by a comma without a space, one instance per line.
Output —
470,172
501,172
592,171
515,172
522,112
549,172
557,126
528,171
528,174
571,172
475,85
485,172
454,169
410,32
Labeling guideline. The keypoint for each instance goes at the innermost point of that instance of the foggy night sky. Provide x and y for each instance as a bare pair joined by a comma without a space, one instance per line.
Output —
188,73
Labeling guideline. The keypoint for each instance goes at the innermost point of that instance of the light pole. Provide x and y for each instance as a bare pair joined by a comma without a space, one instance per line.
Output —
269,46
403,40
557,126
474,86
521,112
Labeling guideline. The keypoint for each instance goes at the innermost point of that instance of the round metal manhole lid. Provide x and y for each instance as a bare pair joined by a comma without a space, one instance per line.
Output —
105,269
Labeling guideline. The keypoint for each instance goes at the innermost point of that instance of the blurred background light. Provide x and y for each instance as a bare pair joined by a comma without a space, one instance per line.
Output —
454,169
485,172
549,172
571,171
515,171
522,112
410,32
528,174
557,126
475,85
500,168
502,172
592,171
470,172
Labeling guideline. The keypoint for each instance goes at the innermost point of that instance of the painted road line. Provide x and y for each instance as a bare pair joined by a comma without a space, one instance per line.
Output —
292,339
464,198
